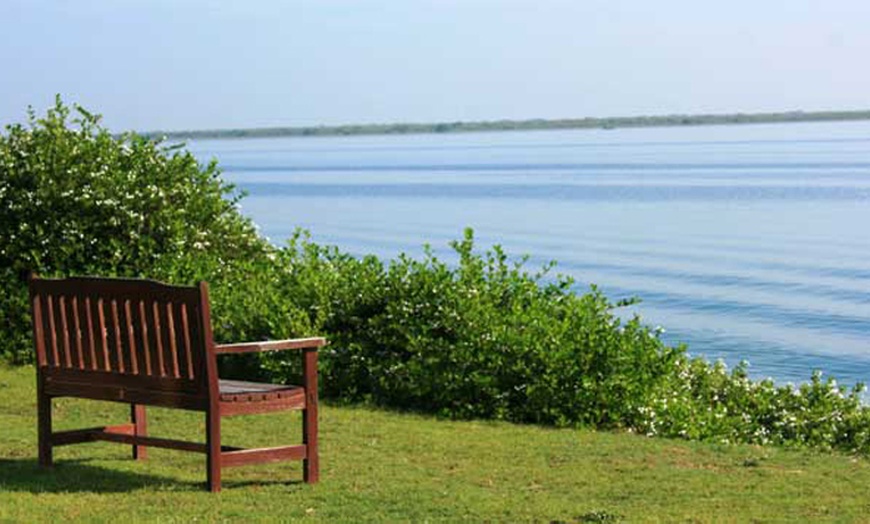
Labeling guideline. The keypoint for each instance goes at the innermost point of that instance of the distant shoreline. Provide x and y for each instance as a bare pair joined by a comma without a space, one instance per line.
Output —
517,125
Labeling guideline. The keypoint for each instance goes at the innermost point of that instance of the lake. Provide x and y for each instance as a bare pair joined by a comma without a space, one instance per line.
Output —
745,242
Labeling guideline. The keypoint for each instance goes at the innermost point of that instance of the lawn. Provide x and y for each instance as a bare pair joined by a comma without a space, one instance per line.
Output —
386,466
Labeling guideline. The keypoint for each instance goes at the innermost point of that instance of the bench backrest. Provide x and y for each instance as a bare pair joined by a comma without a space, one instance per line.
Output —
124,332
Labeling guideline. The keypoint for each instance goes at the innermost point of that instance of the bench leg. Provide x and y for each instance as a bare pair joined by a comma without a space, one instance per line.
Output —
44,430
310,465
140,423
213,448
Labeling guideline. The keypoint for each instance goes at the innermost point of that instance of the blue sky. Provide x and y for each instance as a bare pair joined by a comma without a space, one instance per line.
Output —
188,64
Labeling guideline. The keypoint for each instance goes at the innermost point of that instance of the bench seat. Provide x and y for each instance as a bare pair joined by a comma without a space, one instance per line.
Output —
240,391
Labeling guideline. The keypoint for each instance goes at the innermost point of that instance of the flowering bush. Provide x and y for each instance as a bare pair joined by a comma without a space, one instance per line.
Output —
706,402
482,338
76,200
485,338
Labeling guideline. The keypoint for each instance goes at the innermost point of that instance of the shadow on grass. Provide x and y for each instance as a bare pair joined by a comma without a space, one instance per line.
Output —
77,476
72,476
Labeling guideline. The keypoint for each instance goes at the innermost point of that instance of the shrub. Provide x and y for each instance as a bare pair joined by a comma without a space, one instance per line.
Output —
706,402
482,338
76,200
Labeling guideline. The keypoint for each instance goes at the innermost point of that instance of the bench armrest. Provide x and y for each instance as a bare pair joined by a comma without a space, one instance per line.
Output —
270,345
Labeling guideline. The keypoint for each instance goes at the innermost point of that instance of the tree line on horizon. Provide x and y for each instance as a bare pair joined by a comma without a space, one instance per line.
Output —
517,125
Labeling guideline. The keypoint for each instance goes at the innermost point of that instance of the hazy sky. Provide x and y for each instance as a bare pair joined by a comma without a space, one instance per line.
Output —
179,64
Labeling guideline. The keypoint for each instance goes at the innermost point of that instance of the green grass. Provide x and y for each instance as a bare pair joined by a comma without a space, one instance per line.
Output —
382,466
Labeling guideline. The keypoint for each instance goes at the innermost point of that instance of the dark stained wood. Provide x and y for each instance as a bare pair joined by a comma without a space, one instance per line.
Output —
157,330
271,345
53,331
91,336
76,332
133,326
171,343
139,421
118,338
43,414
188,350
103,333
213,413
38,331
311,464
64,333
238,391
127,396
121,436
121,380
77,436
145,343
140,312
254,456
229,409
213,449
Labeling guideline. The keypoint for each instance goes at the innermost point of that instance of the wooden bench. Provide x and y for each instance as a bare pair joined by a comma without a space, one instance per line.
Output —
145,343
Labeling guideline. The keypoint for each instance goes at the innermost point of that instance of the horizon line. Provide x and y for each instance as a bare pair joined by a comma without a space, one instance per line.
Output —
668,120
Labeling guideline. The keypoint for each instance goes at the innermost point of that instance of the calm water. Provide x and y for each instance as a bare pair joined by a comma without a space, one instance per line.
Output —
745,242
